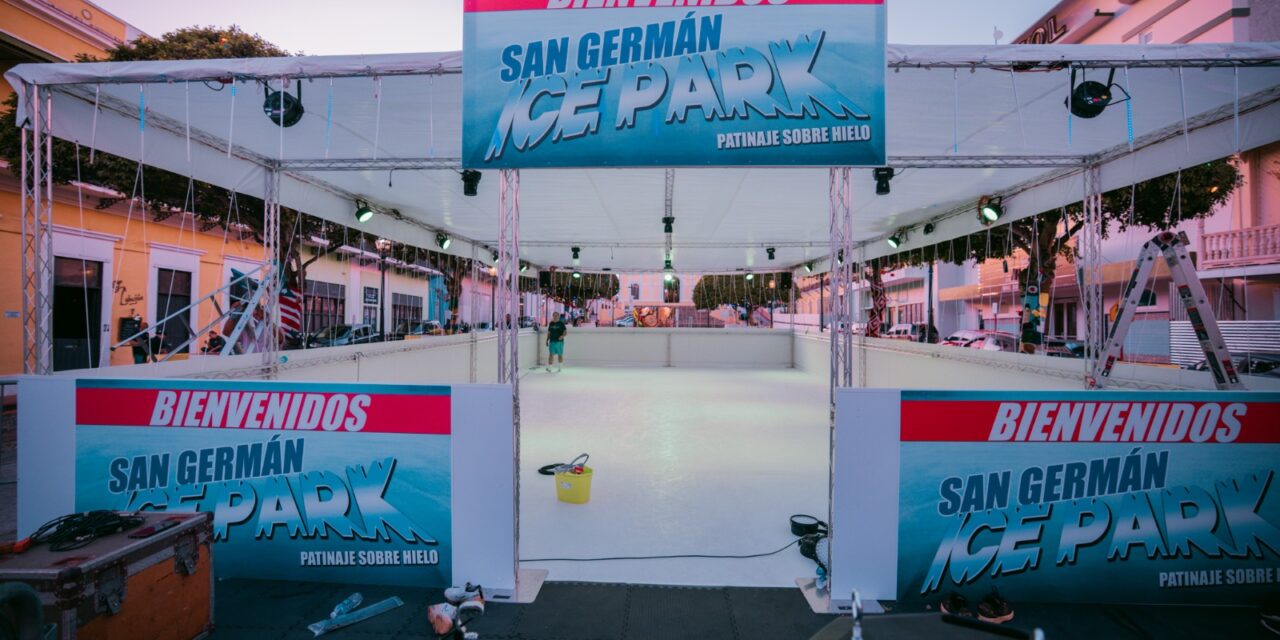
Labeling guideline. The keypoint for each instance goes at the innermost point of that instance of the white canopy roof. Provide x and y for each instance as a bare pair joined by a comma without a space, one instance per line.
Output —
961,124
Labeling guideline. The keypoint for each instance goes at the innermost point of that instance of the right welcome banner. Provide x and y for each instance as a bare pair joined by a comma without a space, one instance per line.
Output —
1078,496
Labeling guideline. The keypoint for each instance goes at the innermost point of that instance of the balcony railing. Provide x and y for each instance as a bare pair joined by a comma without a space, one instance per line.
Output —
1241,247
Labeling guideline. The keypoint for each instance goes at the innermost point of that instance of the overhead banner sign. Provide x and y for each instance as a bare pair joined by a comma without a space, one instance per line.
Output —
636,83
306,481
1150,497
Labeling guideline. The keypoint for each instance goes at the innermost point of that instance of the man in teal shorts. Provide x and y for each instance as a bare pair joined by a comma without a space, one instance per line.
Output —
555,341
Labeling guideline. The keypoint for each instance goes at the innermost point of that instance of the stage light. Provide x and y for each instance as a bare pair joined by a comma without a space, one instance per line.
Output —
750,276
577,276
495,257
990,210
882,175
363,212
1088,99
443,241
808,267
928,228
524,266
668,224
894,241
575,251
668,277
470,182
282,108
840,256
770,251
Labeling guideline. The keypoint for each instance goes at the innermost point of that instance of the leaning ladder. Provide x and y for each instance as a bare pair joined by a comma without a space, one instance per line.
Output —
1173,246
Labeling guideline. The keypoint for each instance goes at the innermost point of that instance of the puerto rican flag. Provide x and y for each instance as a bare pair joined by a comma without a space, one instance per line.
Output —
290,308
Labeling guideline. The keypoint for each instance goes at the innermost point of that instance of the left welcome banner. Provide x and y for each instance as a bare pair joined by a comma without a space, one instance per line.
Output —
306,481
662,83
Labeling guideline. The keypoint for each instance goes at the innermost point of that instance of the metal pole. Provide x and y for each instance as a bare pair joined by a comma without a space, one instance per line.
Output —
508,290
1090,243
37,233
271,281
929,302
382,296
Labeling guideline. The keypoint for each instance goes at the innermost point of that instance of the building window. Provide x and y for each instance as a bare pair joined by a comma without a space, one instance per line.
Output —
404,309
1062,323
173,294
371,299
325,305
671,290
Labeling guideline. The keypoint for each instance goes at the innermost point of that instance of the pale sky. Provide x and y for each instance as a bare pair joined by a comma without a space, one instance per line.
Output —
322,27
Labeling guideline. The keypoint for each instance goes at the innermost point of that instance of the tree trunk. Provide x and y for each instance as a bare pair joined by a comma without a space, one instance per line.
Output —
878,302
1042,262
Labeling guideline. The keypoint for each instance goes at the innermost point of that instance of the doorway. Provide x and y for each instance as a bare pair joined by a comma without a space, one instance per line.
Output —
173,294
77,313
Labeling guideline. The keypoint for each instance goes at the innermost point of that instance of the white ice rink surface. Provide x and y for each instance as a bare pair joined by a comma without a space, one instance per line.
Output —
687,461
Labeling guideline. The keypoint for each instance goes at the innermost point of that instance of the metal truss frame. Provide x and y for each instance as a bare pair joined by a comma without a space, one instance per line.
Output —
507,307
37,232
273,269
903,162
1089,244
841,197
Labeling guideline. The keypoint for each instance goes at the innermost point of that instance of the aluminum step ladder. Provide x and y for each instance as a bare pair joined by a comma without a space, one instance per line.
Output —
1173,247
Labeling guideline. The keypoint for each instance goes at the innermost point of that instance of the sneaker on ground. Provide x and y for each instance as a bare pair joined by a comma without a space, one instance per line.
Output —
441,617
956,605
994,608
457,595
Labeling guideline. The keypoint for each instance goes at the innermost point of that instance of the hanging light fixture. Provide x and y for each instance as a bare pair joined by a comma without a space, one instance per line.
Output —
443,241
808,267
990,209
470,182
363,211
882,176
524,266
894,241
1089,99
770,252
281,108
577,275
750,276
576,251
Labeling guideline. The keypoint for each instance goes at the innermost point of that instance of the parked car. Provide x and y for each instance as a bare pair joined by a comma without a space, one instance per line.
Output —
918,332
963,337
416,328
1064,348
344,334
1254,363
996,341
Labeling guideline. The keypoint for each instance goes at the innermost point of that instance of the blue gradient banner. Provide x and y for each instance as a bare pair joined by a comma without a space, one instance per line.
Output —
295,500
721,83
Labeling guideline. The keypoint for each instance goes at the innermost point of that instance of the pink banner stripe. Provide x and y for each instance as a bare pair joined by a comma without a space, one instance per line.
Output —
263,409
475,6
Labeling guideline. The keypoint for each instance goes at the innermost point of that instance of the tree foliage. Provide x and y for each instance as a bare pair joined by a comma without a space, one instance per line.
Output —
582,290
714,291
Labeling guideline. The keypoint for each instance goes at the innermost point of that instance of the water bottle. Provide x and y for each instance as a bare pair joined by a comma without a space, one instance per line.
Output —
347,606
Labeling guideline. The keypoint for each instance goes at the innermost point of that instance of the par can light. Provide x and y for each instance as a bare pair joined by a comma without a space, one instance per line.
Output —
443,241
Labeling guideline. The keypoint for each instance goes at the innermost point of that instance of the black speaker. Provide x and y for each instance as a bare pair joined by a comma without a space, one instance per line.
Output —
544,279
784,280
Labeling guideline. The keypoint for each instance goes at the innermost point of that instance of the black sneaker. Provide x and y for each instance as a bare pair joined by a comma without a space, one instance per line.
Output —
994,609
956,605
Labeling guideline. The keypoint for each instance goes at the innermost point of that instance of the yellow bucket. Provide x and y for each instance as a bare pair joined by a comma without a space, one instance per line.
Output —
574,487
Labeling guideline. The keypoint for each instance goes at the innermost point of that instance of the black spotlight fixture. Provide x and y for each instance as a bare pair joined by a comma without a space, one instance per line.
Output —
363,212
575,251
990,209
928,228
808,267
882,175
443,241
524,266
577,275
1089,99
470,182
495,257
281,108
840,257
894,240
750,276
770,252
668,224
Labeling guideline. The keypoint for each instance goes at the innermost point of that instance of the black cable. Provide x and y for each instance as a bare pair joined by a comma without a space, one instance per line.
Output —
79,529
670,557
